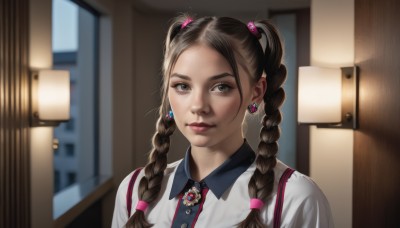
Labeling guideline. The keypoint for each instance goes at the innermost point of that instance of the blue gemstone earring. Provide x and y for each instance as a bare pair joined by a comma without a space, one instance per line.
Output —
170,115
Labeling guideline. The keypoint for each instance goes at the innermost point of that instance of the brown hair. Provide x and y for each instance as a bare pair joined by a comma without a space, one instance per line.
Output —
232,39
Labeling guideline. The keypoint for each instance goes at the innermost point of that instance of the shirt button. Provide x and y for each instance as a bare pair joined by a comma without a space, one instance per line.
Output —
184,225
188,211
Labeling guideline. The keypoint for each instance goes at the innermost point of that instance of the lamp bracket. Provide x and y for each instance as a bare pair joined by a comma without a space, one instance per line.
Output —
349,100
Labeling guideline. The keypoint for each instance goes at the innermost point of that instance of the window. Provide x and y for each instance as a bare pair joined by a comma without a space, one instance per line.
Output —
75,48
70,125
57,183
71,178
69,150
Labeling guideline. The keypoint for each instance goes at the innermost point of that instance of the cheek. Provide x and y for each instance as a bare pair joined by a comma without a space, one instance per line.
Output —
177,105
172,102
229,109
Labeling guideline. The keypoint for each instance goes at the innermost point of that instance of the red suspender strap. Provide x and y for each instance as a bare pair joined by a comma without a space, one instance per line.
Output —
130,189
280,196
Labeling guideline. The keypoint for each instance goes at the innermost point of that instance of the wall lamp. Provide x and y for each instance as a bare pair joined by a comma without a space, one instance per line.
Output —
50,97
327,97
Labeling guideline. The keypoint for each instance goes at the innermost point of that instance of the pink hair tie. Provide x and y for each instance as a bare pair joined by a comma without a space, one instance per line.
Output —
253,29
142,205
186,22
256,203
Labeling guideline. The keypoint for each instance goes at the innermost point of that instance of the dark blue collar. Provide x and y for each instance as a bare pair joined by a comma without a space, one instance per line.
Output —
219,180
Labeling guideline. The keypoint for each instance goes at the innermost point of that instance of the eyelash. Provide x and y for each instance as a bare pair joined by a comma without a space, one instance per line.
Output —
177,87
225,86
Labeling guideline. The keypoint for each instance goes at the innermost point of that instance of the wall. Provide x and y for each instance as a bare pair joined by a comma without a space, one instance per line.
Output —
376,142
41,137
14,115
331,150
118,32
286,24
149,34
137,44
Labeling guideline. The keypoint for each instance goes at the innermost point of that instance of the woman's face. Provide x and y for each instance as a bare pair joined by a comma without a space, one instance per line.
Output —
205,98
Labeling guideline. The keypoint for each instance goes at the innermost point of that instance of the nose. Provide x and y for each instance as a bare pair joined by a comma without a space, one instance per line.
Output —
200,103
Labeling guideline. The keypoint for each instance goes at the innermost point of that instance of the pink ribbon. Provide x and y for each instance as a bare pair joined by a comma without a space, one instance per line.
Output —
256,203
253,29
141,205
186,22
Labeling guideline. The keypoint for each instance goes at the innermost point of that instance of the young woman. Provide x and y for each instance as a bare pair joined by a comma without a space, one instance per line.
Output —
216,70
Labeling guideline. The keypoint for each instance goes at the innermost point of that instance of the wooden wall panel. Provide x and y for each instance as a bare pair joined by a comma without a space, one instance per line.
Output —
376,194
303,59
14,125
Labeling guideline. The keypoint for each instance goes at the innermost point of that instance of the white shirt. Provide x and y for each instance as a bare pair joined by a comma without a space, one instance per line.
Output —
304,203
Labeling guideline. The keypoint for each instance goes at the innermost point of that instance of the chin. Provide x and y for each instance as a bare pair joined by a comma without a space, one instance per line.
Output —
201,141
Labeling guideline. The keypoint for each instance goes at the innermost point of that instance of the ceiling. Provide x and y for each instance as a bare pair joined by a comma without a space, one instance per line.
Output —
220,6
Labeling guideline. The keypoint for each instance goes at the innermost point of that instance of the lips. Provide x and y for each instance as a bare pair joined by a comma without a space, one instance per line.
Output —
200,127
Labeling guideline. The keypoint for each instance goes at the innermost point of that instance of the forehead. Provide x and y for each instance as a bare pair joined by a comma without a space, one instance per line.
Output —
200,59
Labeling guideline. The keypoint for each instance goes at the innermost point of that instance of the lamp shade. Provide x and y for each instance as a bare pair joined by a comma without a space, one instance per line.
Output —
319,95
53,95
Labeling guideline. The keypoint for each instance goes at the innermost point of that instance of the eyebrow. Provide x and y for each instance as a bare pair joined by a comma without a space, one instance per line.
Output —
213,78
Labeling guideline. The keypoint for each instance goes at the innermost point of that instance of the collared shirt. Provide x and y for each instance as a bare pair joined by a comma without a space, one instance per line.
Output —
221,178
217,182
224,197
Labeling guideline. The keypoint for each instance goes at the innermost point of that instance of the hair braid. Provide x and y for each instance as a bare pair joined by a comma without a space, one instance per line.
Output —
150,184
262,182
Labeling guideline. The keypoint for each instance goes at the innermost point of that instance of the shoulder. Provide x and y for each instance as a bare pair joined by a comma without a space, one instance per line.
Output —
302,185
124,185
306,202
304,188
171,167
130,179
120,200
120,216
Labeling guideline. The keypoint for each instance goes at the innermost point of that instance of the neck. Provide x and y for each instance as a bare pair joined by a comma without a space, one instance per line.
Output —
204,160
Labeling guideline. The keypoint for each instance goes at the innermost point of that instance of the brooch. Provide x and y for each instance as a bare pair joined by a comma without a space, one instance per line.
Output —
191,197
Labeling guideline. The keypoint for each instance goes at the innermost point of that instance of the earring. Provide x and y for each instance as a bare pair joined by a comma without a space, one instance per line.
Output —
252,108
170,115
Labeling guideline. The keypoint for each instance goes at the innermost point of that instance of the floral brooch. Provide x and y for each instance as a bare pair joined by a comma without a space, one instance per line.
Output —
191,197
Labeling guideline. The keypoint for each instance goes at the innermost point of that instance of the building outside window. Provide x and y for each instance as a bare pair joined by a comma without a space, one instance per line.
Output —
70,149
71,178
57,183
75,48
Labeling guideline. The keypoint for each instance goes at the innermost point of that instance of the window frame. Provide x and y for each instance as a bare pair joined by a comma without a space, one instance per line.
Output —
101,183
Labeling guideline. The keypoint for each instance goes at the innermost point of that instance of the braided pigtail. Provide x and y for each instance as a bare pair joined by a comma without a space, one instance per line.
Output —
262,182
150,184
